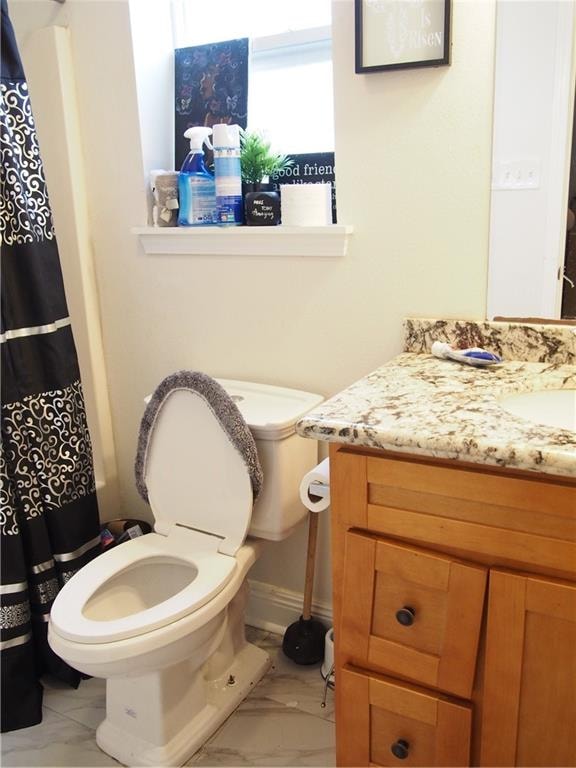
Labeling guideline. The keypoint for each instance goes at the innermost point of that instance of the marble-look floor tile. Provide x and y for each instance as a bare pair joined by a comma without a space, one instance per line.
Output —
56,741
280,723
259,636
262,733
294,685
85,705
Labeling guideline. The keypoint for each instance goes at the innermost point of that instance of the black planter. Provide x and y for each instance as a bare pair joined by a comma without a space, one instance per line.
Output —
261,206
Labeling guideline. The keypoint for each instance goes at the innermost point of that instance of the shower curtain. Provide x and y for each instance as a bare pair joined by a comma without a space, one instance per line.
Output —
48,512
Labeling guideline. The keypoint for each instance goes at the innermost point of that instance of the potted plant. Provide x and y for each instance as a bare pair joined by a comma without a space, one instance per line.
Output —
257,162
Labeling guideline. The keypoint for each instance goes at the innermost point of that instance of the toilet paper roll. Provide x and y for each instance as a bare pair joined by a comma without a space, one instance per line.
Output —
164,186
327,668
319,477
306,205
167,196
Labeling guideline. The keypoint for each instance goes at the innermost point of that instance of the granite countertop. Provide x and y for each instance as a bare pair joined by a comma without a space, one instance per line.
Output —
418,404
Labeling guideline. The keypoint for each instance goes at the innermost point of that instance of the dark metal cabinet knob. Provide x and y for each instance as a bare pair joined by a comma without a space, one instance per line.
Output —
400,749
405,616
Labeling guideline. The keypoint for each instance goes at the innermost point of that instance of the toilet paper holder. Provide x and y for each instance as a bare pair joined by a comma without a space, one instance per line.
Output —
316,488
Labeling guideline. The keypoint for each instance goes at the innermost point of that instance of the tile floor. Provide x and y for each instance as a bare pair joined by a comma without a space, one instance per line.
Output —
280,723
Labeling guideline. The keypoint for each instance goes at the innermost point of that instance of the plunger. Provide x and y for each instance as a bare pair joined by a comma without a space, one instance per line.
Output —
304,639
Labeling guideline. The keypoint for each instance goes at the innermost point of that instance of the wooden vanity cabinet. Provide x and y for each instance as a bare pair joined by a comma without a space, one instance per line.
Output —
454,613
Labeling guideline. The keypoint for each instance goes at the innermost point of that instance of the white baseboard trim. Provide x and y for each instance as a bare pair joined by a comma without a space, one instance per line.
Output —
274,608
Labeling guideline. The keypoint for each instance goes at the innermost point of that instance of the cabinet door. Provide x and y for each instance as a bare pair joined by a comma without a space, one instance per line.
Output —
411,612
529,701
385,723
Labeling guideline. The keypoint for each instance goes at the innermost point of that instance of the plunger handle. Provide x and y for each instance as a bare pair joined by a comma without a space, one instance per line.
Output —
310,564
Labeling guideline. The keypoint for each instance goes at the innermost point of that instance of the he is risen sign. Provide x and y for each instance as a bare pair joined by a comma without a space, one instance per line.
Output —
393,34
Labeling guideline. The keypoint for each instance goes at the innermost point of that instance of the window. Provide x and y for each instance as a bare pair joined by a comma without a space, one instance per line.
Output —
290,90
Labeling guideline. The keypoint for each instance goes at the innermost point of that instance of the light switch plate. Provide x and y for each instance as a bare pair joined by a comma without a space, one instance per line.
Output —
518,174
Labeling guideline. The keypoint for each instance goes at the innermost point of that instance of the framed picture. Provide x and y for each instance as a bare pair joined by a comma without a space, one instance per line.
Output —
211,86
396,34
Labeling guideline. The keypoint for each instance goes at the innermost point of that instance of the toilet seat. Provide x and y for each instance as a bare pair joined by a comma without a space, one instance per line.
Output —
210,571
157,648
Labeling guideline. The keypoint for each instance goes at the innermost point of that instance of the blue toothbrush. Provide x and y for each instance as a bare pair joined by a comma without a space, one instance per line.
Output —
473,356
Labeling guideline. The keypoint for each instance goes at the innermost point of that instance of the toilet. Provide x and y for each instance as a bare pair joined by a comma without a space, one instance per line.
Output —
161,617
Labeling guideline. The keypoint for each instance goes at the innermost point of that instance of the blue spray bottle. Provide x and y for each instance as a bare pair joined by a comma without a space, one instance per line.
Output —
196,185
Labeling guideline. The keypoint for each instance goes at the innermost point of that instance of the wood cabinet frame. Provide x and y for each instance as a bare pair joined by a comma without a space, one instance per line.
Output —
503,520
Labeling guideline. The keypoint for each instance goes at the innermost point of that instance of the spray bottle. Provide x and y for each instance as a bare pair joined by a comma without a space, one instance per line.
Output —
196,183
227,173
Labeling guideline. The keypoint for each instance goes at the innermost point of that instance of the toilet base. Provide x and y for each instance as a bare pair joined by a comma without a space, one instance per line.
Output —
208,704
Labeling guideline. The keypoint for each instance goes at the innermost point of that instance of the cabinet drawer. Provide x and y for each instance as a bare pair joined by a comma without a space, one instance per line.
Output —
411,612
385,723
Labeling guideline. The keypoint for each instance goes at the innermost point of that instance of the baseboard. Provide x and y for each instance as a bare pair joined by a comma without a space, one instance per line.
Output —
274,608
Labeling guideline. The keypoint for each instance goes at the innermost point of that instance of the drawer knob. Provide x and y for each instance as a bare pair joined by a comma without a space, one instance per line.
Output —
405,616
400,749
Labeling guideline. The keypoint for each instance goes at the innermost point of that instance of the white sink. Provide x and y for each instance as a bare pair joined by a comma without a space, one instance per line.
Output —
553,407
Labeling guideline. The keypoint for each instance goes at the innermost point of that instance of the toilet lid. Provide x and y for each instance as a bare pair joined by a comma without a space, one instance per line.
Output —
194,474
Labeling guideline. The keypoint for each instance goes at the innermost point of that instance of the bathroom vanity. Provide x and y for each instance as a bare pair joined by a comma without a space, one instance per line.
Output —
454,560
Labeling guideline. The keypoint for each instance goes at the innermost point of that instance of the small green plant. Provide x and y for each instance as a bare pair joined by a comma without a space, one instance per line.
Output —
257,160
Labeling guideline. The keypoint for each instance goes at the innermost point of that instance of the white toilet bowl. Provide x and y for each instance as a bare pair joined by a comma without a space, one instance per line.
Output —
128,609
169,665
161,617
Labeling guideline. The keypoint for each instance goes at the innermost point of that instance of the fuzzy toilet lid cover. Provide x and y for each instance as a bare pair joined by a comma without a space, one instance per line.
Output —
223,408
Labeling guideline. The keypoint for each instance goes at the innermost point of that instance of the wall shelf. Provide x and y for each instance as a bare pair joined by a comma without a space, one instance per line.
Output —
330,241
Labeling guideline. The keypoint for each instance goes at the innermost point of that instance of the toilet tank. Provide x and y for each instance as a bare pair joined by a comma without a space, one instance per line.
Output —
271,413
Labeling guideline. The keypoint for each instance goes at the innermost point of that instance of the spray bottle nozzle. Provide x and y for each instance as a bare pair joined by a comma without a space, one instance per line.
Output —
198,136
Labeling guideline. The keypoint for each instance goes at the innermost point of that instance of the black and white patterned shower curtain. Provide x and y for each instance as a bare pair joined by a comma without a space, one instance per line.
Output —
48,516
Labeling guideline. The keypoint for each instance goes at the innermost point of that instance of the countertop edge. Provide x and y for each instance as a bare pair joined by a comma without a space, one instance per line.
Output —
387,410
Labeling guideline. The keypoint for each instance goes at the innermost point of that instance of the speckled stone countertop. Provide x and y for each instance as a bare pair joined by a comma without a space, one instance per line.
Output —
418,404
530,342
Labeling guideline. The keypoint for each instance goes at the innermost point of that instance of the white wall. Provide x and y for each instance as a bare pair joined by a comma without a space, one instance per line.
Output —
413,170
50,70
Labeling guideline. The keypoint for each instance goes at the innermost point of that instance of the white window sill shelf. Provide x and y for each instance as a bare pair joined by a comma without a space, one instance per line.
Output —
329,241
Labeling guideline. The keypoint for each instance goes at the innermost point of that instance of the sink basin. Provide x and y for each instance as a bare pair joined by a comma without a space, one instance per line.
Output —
553,407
